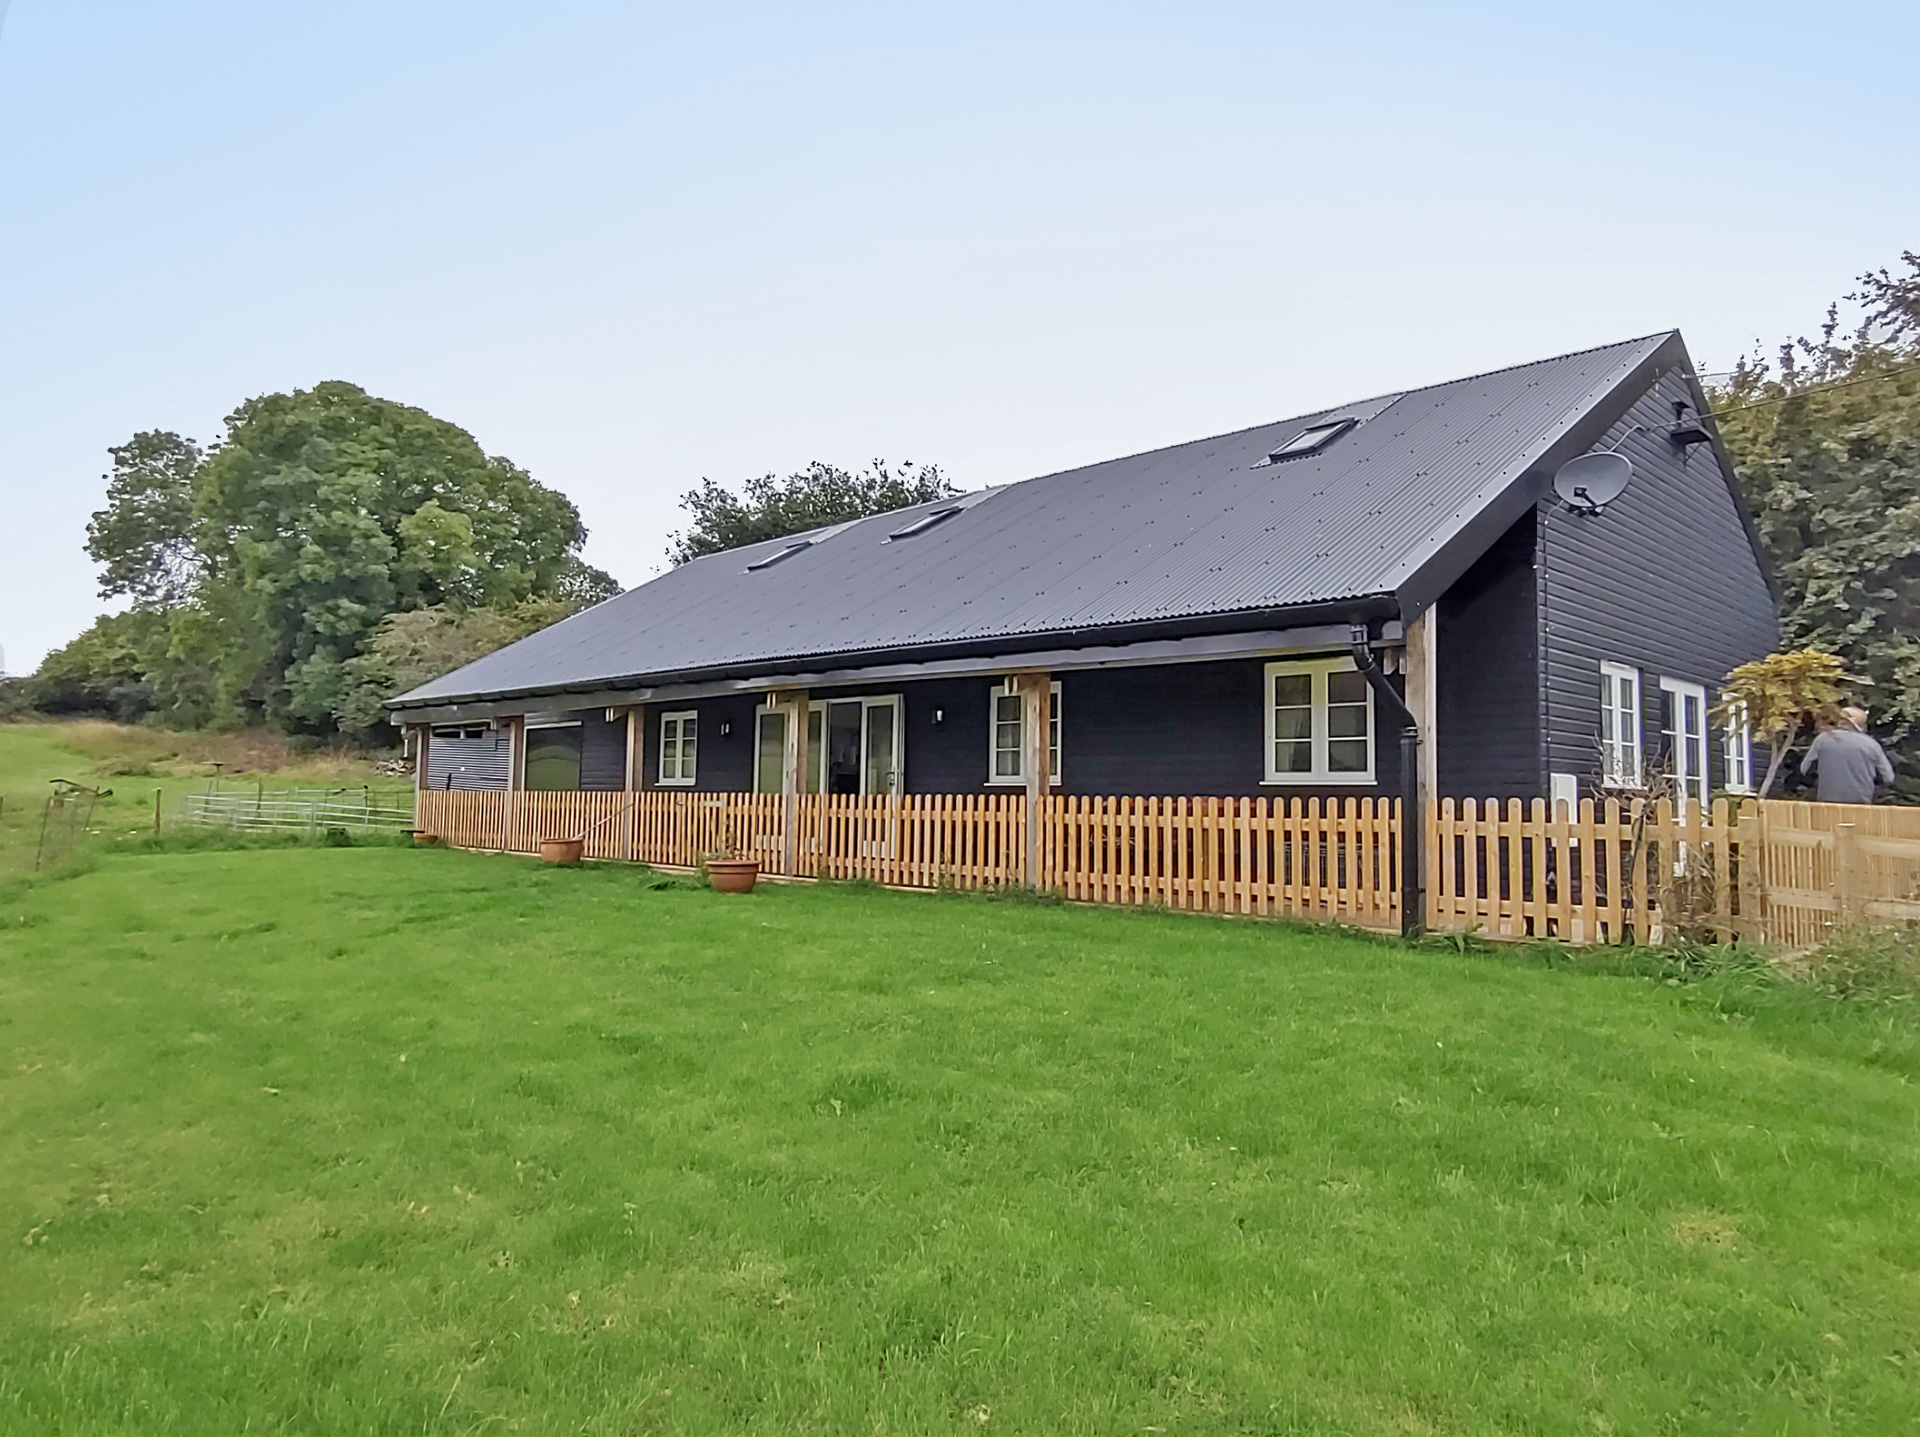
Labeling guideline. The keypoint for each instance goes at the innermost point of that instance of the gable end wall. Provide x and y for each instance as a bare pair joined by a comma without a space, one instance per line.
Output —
1666,580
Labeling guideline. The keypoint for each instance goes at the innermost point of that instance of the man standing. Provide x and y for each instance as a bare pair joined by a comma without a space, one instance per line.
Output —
1848,764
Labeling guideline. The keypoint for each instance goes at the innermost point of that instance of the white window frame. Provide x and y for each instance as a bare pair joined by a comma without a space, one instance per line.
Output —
1019,780
684,774
1690,751
1320,775
1620,754
1736,752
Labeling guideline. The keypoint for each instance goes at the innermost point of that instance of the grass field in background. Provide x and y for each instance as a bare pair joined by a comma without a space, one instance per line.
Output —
384,1140
135,763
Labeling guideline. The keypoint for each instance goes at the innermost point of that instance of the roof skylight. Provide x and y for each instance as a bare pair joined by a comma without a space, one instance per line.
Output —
922,524
786,553
1311,439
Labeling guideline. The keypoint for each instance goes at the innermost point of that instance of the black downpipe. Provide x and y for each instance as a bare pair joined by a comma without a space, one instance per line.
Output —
1413,821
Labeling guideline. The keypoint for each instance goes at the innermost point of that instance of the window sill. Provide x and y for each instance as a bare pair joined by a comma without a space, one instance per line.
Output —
676,783
1321,780
1018,782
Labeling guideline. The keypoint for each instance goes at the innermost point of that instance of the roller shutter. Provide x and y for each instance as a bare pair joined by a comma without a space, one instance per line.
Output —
473,756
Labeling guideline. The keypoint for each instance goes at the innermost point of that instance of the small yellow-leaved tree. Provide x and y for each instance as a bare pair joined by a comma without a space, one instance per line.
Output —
1782,695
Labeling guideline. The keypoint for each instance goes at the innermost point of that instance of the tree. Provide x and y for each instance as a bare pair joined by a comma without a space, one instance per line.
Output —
102,671
412,648
143,539
819,495
1826,444
1780,697
320,513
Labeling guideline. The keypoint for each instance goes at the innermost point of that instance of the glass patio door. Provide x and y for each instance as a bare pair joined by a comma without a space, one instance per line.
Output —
854,746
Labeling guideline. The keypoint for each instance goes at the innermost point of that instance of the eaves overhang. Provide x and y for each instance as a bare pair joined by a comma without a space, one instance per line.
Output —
1281,624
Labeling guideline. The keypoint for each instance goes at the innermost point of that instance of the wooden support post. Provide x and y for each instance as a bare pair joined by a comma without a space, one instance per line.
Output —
793,703
636,748
516,753
422,735
1036,712
1420,670
1846,876
1422,673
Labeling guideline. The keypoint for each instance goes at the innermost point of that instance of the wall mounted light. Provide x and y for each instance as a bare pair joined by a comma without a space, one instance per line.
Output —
939,717
725,729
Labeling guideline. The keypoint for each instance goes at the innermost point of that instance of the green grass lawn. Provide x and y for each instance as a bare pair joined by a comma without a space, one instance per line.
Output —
383,1140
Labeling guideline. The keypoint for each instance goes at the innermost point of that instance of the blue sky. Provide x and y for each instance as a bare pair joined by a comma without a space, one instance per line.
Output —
630,246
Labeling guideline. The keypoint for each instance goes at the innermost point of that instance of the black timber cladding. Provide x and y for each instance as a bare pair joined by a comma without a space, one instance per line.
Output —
1488,689
1193,729
1204,531
603,751
1666,579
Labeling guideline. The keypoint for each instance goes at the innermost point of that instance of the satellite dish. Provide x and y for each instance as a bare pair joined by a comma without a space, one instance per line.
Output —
1592,481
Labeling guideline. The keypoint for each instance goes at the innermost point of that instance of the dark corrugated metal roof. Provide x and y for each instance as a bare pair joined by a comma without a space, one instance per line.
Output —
1204,528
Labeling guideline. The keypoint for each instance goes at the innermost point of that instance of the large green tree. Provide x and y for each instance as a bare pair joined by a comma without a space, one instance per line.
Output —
1826,443
771,508
320,513
144,539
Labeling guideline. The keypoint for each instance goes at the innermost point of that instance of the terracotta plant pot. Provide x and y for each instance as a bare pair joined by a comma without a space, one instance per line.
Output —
732,875
423,839
562,850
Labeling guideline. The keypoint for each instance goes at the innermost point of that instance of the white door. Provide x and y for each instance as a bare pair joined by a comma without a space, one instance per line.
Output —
1686,736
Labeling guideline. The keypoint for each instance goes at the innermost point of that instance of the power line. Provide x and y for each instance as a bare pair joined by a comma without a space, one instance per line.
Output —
1817,389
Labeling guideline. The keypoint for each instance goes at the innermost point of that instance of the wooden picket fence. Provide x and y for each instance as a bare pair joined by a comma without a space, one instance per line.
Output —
1779,872
1257,856
1774,871
1337,859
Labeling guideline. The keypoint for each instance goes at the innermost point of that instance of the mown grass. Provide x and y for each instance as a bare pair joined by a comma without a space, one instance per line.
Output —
414,1141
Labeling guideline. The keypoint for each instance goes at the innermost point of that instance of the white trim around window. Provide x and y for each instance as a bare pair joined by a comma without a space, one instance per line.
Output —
679,751
1736,740
1619,725
1686,738
1319,725
1006,738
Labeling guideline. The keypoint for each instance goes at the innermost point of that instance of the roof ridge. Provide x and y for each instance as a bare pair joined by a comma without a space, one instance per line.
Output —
1386,398
1659,334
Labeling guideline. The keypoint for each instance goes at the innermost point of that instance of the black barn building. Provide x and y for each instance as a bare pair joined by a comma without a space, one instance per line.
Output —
1185,616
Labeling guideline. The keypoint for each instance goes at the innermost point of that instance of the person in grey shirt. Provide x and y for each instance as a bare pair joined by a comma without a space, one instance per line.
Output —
1847,763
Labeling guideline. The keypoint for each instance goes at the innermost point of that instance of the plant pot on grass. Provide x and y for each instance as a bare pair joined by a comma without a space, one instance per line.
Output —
562,850
424,839
732,875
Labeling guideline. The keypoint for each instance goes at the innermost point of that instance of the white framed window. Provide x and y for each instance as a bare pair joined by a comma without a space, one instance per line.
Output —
1685,733
1319,722
551,761
1737,751
1619,725
769,749
679,735
1006,737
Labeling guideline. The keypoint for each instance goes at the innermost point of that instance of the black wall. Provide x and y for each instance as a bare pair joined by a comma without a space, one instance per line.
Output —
1488,690
723,763
603,751
1194,729
1665,580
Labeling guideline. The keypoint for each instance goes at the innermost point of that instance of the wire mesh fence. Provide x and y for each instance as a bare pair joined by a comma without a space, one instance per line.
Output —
68,811
311,810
